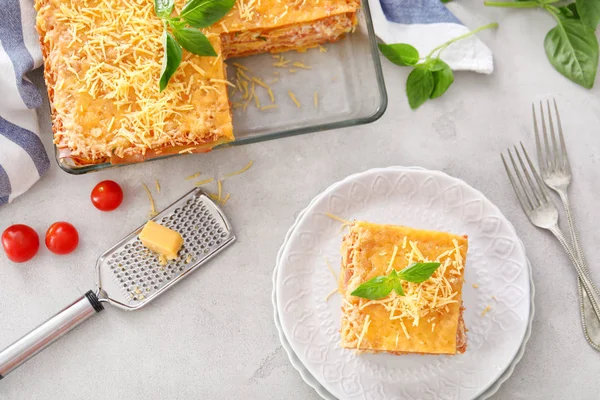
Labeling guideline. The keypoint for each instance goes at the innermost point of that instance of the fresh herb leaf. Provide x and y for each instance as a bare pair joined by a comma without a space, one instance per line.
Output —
375,289
400,53
381,286
171,60
264,39
435,64
419,86
398,287
195,13
163,8
571,46
418,272
572,49
194,41
442,79
589,12
204,13
568,12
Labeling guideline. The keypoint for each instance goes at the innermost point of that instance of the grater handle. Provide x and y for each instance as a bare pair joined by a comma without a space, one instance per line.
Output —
48,332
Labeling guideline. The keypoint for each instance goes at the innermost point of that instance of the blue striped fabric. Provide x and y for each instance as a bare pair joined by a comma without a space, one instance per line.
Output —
23,159
417,12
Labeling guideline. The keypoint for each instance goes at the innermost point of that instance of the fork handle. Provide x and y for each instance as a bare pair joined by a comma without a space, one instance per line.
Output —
591,323
586,283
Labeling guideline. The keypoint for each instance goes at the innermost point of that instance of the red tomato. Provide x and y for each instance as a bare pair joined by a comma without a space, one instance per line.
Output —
62,238
107,195
20,243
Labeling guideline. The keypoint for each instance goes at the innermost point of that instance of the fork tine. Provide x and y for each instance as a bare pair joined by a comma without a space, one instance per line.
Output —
514,185
565,157
540,184
557,161
538,146
548,164
520,179
535,190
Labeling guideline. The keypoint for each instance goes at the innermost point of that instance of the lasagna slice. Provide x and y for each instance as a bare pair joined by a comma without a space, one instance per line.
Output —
102,65
428,319
259,26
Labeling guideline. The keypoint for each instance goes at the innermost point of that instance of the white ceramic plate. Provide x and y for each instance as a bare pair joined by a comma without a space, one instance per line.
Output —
422,199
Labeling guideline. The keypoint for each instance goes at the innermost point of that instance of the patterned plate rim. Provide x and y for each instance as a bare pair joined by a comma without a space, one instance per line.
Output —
297,363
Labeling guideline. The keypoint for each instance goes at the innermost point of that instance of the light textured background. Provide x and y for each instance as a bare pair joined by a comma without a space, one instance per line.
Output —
213,337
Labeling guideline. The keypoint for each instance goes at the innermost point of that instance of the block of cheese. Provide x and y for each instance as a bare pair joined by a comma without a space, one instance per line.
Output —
161,239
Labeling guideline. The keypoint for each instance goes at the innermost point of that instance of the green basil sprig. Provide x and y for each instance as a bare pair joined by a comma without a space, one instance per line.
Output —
571,46
431,77
381,286
195,14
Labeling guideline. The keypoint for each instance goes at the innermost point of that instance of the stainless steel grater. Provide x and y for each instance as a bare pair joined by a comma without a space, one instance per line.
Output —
130,276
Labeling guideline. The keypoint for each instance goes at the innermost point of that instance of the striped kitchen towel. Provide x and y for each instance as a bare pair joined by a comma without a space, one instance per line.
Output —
23,159
426,24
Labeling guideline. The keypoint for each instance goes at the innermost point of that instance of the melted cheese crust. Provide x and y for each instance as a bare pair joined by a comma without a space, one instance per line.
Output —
103,61
267,14
428,319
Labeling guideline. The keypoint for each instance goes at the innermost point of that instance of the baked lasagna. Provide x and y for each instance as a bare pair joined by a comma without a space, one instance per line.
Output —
103,61
428,319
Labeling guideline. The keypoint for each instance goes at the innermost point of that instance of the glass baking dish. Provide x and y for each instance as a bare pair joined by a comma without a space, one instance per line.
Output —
345,77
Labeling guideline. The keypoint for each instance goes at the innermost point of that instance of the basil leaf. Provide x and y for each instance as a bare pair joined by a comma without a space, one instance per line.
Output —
194,41
568,12
419,86
436,64
171,59
589,12
400,53
572,49
163,8
204,13
418,272
442,80
398,288
374,289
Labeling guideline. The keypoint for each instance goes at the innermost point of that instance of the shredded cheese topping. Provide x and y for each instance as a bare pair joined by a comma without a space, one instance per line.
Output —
428,298
104,59
364,330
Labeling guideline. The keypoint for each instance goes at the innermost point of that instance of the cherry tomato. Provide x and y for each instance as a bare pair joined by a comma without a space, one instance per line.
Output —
62,238
107,195
20,243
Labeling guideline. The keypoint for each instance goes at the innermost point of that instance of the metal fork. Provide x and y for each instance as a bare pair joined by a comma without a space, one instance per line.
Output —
541,211
556,173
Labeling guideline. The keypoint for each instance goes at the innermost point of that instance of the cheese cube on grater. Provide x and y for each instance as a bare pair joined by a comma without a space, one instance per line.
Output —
130,275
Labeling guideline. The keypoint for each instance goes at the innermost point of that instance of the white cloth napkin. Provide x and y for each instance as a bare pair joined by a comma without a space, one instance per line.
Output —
426,24
23,158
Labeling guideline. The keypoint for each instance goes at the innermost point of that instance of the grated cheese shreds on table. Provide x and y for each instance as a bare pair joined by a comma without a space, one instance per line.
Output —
152,208
193,176
204,182
246,168
294,99
334,291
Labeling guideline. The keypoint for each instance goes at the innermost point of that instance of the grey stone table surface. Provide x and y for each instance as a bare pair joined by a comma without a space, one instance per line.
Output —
214,337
